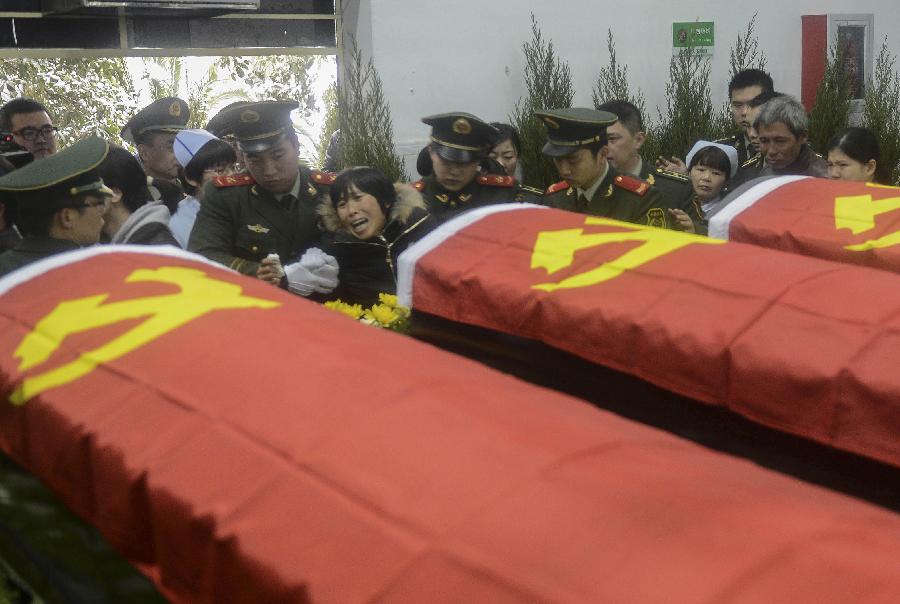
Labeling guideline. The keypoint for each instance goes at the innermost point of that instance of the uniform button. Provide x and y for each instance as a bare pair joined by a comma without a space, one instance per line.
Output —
255,248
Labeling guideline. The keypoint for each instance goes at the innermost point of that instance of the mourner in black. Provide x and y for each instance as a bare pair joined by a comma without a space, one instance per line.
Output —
369,222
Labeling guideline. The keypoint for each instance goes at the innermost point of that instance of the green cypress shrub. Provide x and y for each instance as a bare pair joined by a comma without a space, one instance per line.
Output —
689,112
548,81
882,112
367,132
831,111
612,81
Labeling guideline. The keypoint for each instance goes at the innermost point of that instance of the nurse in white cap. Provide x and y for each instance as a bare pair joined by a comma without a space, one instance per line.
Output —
202,157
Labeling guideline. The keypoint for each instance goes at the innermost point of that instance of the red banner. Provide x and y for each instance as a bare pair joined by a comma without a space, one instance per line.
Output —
852,222
795,343
242,445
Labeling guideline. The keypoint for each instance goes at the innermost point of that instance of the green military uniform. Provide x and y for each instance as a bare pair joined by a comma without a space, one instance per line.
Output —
240,222
463,138
675,188
618,197
738,140
43,188
488,189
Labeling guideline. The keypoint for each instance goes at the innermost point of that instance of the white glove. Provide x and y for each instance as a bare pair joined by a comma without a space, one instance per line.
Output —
315,272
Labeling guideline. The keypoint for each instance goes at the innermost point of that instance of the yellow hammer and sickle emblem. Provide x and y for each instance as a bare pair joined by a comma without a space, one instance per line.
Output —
199,295
555,250
858,212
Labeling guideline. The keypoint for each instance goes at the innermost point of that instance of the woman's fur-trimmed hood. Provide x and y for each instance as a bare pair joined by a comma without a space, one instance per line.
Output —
408,199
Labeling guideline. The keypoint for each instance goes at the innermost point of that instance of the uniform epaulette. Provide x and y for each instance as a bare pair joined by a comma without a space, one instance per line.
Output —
233,180
322,178
419,185
630,183
752,161
557,187
496,180
672,175
531,190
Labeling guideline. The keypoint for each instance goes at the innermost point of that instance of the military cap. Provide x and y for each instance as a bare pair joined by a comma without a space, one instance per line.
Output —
222,123
50,184
460,137
569,129
170,114
261,126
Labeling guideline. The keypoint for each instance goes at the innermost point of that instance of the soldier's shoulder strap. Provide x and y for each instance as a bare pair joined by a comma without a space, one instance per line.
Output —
233,180
753,161
678,176
557,187
728,140
630,183
496,180
322,178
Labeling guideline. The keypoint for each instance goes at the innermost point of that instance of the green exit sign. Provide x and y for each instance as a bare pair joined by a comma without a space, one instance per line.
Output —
694,34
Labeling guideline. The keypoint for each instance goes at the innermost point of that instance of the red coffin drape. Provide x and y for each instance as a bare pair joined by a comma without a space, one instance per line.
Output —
274,451
795,343
857,223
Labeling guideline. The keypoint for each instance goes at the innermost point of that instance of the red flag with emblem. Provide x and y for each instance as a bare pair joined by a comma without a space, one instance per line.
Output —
795,343
239,444
853,222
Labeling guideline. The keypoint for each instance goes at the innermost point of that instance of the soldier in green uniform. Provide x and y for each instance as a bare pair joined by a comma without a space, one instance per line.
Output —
459,141
61,202
625,138
270,210
576,140
153,130
745,86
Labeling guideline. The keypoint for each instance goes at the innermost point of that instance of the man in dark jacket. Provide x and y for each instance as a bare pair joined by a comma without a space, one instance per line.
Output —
61,203
782,127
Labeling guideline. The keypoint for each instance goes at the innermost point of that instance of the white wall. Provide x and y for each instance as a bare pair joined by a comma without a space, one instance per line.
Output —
467,55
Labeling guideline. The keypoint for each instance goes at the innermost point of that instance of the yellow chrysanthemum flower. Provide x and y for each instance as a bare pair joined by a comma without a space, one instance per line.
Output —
383,315
354,311
388,300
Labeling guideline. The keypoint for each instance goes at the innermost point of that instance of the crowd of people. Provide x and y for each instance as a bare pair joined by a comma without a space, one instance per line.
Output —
236,192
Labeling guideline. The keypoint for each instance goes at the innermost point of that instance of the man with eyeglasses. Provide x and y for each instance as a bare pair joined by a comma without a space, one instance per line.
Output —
61,203
30,125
